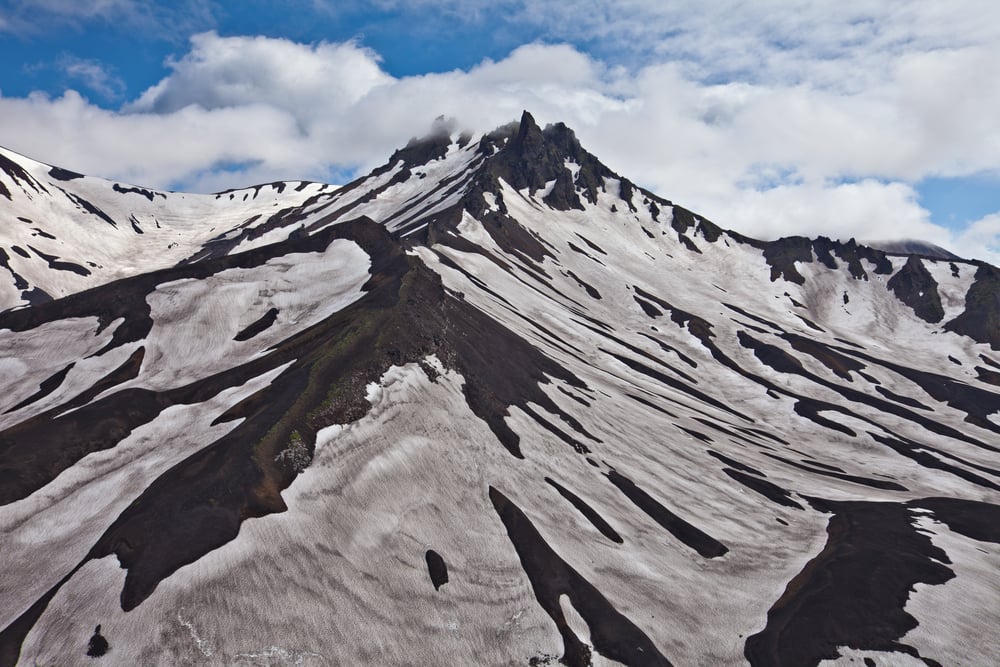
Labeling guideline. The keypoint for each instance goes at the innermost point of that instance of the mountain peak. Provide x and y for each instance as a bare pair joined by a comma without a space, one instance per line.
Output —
529,141
539,159
527,127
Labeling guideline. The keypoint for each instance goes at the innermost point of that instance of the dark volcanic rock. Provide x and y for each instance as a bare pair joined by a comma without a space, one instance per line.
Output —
20,176
436,568
981,319
148,194
782,255
614,635
258,326
852,253
64,175
823,247
914,286
98,645
56,264
586,510
529,161
769,490
530,157
19,281
978,520
706,545
853,593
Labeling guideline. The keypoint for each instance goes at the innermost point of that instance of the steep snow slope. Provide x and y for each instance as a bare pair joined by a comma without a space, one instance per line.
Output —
521,411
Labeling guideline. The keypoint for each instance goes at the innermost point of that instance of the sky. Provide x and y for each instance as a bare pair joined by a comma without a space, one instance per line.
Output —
874,120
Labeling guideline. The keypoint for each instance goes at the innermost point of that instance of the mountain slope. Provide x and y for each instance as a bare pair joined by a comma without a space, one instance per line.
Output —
64,231
495,404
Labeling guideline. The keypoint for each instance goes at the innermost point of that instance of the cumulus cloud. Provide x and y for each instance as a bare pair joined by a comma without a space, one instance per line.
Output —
866,210
234,107
160,150
304,80
981,239
813,143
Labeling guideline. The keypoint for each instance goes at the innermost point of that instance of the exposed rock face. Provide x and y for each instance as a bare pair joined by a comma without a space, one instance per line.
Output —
490,404
981,319
915,287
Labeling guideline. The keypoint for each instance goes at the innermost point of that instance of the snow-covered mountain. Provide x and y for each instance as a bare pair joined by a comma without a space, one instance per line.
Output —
64,232
492,404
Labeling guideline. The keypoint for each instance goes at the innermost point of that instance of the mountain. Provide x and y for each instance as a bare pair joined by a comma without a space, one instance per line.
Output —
914,247
491,404
64,232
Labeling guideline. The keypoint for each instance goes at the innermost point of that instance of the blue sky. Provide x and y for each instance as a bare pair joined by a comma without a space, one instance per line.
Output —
866,119
135,54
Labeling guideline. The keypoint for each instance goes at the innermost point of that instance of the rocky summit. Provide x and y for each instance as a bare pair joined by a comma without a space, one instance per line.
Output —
491,404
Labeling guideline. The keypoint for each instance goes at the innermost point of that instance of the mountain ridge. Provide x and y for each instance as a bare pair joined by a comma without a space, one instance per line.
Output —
534,159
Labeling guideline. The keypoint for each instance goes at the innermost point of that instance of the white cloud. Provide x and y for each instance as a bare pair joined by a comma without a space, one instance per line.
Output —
981,239
74,8
304,80
761,40
158,150
827,138
867,210
290,110
94,75
161,21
